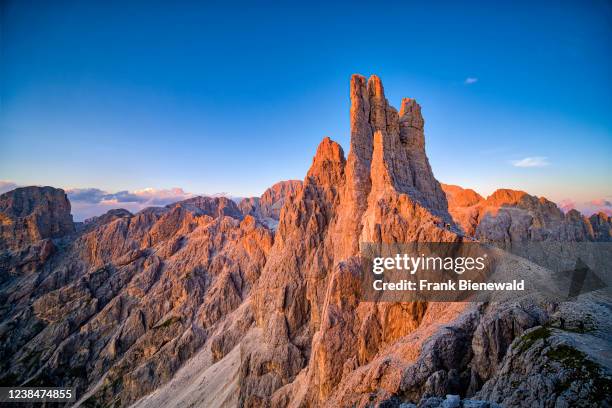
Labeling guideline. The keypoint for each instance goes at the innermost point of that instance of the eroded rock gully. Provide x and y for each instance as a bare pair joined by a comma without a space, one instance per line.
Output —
209,303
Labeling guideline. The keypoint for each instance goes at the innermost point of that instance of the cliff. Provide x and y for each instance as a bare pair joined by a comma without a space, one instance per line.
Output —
30,214
515,216
267,208
209,303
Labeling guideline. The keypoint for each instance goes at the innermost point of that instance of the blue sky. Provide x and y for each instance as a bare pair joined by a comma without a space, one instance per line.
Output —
232,98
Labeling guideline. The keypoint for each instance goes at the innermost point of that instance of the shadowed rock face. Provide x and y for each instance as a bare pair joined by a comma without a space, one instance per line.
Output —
30,214
118,308
601,224
207,303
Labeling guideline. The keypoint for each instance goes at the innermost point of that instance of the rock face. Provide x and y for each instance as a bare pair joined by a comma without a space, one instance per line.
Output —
559,363
515,216
267,208
121,307
209,303
30,214
109,216
212,206
314,331
601,225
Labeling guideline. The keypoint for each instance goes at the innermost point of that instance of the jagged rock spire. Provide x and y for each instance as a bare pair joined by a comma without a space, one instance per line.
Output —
402,143
328,163
411,124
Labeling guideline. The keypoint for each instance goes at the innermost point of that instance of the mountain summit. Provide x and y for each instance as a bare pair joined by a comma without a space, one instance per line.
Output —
206,302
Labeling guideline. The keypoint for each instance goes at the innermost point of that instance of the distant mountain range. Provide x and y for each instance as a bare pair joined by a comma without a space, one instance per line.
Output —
256,303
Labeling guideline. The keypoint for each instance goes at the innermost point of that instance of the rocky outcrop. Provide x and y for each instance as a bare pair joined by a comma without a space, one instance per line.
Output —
316,332
267,208
118,309
30,214
601,225
321,345
109,216
207,303
560,363
458,197
212,206
515,216
272,200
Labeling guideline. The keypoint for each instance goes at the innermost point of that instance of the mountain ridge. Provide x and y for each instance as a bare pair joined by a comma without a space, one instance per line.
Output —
128,308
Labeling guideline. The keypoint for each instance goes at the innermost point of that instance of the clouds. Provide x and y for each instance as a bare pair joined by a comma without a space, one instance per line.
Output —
567,205
533,161
7,186
152,196
86,195
470,80
598,205
601,202
88,202
147,196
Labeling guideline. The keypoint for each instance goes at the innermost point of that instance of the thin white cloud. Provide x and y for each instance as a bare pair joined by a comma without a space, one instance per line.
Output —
470,80
145,197
534,161
89,202
6,186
